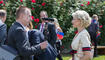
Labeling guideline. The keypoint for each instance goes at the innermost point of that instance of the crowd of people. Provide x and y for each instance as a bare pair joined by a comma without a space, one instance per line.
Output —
43,43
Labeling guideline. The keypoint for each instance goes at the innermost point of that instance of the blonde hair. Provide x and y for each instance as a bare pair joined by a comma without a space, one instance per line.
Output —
56,21
57,24
30,26
83,16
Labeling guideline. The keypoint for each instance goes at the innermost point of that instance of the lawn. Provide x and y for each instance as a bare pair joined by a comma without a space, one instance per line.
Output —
67,57
101,57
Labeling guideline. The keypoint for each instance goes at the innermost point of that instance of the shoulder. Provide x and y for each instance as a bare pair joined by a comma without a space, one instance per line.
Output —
19,30
3,26
84,32
85,37
16,29
50,24
34,31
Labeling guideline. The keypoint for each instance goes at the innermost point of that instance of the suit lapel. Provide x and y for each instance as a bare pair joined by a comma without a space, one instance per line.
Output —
18,24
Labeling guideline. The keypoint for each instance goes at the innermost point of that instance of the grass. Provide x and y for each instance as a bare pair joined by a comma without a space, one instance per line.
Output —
67,57
101,57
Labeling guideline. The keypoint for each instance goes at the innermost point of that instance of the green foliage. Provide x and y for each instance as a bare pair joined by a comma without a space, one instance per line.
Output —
102,57
60,9
66,57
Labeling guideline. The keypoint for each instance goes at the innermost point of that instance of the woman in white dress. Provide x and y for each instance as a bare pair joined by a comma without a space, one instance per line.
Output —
81,45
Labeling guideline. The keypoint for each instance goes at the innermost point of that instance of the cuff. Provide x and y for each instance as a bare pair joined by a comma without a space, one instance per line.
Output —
38,49
86,49
73,52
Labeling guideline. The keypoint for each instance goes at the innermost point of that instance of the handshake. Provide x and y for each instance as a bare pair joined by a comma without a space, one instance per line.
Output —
43,45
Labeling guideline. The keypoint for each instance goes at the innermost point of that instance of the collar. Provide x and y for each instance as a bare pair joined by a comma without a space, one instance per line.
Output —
22,25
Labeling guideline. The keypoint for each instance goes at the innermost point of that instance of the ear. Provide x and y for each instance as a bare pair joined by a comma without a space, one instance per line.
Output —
22,16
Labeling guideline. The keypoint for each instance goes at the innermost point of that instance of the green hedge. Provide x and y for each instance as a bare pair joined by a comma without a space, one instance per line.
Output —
60,9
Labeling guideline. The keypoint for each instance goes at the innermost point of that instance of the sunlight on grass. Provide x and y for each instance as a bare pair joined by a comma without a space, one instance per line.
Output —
102,57
67,57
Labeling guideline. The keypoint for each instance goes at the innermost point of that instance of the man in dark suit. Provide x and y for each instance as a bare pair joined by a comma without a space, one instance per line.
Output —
36,37
18,38
51,36
3,27
93,29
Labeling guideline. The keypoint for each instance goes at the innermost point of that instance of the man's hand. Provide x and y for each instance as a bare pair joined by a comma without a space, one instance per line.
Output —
44,44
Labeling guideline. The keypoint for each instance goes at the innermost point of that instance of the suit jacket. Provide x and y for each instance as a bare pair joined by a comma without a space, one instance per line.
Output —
18,39
92,29
52,34
36,37
3,33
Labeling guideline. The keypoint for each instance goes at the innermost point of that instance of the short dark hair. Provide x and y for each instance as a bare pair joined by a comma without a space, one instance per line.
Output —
20,10
3,13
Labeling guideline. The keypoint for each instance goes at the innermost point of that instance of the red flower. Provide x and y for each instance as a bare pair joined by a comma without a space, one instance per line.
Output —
32,17
88,2
21,0
33,8
100,26
1,2
36,20
4,4
61,3
82,4
35,27
39,6
43,4
33,1
76,32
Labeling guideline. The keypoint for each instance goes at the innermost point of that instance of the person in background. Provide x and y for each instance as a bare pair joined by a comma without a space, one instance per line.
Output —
81,45
29,26
58,41
18,37
93,30
51,31
3,27
36,37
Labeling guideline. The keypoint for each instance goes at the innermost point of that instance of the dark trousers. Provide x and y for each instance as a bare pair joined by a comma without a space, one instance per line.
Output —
59,57
58,50
95,48
94,41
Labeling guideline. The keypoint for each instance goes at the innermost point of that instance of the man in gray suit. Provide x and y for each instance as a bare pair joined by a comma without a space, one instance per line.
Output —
18,38
3,27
